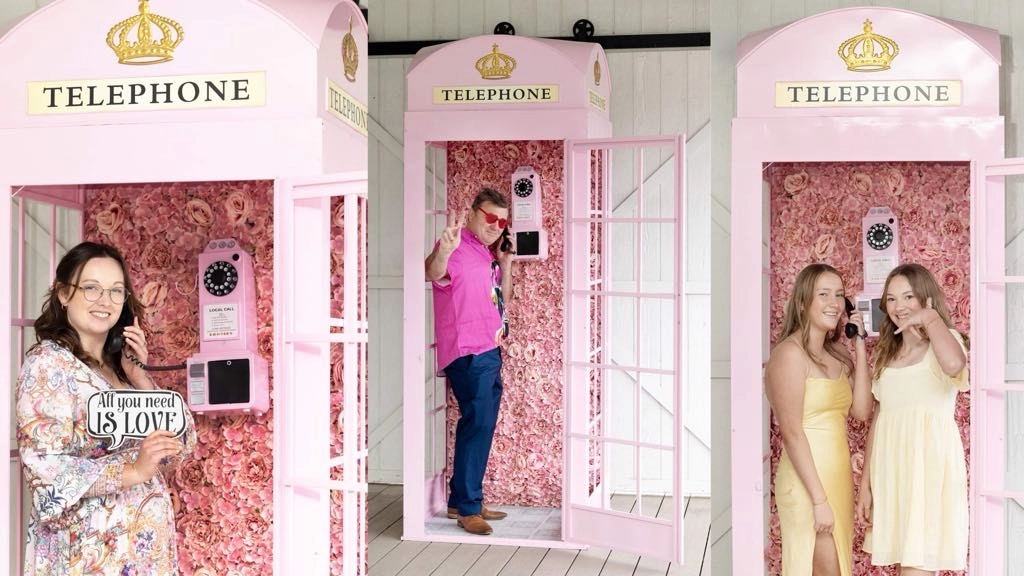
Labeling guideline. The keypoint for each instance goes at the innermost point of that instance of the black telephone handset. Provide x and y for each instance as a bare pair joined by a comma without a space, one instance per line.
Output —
115,338
506,243
851,328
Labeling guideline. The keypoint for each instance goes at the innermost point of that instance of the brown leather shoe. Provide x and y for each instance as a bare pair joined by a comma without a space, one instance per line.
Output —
474,525
486,513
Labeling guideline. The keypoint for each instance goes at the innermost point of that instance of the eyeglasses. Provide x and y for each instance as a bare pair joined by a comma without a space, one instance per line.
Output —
499,300
93,292
492,218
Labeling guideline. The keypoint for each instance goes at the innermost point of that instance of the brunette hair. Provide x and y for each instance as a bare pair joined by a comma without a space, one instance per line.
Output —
489,195
794,321
924,286
52,323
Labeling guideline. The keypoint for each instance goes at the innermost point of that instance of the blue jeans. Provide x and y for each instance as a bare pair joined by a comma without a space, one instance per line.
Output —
476,382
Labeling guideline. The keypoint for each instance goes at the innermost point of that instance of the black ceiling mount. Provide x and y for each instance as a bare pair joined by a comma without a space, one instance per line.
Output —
623,42
505,29
583,29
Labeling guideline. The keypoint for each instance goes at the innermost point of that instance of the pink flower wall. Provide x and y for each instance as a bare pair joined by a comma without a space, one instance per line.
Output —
223,494
816,212
525,466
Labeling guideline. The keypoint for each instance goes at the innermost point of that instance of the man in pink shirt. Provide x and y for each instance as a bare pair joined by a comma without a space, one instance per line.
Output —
472,277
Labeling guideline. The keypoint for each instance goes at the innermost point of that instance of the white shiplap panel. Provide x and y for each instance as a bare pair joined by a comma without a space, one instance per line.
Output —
627,17
549,18
421,24
654,17
682,17
395,21
13,9
498,11
675,91
446,19
471,19
753,16
602,14
573,10
698,97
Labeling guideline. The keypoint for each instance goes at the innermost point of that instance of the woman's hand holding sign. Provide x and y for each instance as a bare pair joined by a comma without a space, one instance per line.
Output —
156,447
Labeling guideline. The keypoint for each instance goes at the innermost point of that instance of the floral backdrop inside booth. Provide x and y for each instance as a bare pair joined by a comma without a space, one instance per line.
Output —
525,466
223,496
816,212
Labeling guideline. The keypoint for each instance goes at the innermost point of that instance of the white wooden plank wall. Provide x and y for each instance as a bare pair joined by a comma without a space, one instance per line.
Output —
655,92
731,20
393,20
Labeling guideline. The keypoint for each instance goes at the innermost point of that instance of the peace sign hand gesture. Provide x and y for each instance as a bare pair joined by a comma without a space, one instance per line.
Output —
451,237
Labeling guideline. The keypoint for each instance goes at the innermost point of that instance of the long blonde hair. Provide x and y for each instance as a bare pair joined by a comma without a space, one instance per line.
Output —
924,286
794,321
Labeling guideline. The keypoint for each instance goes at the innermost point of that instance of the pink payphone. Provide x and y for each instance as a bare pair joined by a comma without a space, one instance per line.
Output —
227,375
880,239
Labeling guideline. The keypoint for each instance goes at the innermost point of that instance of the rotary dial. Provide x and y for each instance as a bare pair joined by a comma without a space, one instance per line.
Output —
220,278
879,236
523,187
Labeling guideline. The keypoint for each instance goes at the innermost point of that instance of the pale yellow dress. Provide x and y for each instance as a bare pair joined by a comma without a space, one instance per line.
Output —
918,470
826,406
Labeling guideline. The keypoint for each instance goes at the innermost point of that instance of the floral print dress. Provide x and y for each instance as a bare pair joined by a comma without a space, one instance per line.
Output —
83,522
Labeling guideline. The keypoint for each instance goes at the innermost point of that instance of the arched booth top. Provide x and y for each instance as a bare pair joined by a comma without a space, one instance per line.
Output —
234,89
509,88
919,66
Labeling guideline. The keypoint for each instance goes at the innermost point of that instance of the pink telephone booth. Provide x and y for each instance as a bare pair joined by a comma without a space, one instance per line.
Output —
587,448
866,137
218,145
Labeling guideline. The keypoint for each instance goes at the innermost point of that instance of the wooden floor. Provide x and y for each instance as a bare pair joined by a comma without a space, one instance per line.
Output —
389,555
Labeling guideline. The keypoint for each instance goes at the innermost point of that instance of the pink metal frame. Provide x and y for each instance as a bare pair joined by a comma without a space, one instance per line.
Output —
428,125
761,134
303,336
293,135
989,494
586,516
21,320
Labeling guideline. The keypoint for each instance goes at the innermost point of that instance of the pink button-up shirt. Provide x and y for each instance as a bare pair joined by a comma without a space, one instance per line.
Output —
466,318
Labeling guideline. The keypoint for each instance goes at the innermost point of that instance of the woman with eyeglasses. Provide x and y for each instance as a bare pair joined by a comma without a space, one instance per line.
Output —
95,510
471,274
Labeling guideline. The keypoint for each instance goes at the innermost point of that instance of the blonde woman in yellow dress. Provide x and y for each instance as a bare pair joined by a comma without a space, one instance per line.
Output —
914,489
808,382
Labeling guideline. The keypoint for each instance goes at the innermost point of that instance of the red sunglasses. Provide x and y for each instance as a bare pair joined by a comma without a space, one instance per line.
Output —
492,218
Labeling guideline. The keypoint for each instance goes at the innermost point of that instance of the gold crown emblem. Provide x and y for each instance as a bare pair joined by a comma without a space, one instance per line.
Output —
133,41
496,66
597,72
860,53
350,54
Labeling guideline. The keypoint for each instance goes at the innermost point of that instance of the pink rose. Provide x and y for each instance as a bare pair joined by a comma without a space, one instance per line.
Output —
156,256
109,220
795,182
962,308
862,182
199,530
182,338
893,182
824,246
238,206
198,212
950,279
153,294
952,226
256,470
190,475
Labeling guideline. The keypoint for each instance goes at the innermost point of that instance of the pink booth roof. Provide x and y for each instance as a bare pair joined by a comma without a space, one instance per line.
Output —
539,61
929,49
297,44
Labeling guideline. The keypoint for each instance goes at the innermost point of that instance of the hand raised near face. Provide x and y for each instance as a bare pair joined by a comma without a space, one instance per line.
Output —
451,237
